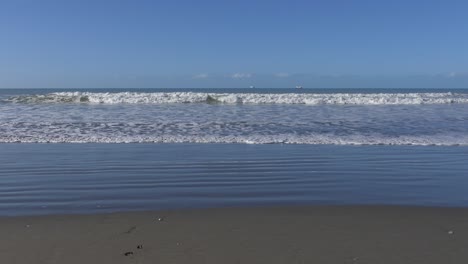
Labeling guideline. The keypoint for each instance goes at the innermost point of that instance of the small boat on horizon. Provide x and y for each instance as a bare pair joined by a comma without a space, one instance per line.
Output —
298,87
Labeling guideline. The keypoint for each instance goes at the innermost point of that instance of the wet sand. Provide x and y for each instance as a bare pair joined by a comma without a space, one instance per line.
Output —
320,234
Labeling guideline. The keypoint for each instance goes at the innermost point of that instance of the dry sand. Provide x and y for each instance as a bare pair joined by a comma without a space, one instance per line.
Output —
256,235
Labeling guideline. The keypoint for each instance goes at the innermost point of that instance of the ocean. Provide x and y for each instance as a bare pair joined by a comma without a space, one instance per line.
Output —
106,150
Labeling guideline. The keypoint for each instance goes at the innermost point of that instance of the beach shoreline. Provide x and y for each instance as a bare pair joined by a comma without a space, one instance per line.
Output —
293,234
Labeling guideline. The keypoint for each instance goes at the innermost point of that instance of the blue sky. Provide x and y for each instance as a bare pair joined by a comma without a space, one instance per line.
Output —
347,43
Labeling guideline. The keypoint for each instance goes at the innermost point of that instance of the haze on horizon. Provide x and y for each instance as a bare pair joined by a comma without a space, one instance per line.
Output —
167,44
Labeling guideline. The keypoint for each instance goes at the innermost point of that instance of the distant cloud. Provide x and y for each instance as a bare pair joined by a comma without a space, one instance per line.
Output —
457,74
241,75
282,75
201,76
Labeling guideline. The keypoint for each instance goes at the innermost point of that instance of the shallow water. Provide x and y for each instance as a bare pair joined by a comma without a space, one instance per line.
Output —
90,178
350,146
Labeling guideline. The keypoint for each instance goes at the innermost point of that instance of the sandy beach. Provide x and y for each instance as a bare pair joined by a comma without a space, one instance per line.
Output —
322,234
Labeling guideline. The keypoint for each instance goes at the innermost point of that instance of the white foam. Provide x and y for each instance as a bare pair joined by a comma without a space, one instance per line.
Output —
76,117
317,139
245,98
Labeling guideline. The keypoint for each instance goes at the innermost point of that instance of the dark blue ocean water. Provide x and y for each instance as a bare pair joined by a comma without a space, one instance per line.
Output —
210,148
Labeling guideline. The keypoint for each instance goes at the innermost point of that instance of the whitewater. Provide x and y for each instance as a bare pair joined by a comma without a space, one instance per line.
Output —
243,98
261,116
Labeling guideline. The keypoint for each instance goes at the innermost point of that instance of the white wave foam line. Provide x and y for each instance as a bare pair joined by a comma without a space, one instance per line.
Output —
319,139
245,98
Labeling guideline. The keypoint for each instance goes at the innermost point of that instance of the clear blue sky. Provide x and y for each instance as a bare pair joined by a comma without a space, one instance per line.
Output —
327,43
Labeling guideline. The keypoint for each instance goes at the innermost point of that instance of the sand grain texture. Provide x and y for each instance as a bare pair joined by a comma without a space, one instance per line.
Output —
256,235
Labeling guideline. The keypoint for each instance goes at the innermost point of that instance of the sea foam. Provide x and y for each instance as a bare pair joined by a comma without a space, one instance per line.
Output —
245,98
243,118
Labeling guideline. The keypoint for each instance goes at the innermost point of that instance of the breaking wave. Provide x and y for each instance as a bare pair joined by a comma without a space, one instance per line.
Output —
244,98
212,132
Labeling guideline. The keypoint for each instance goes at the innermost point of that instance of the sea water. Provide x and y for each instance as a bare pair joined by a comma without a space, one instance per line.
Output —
222,147
353,117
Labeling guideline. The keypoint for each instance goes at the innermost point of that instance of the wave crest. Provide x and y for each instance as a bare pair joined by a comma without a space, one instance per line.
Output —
244,98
